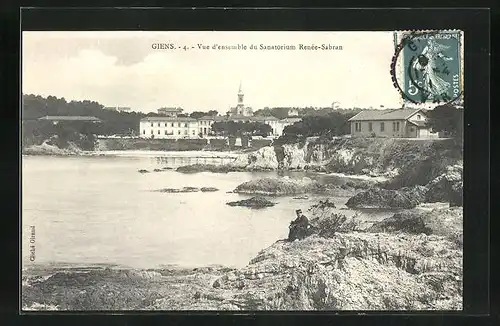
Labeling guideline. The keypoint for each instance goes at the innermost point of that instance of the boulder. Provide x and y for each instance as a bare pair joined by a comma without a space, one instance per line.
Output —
408,222
209,189
407,197
447,222
254,202
447,187
143,171
276,186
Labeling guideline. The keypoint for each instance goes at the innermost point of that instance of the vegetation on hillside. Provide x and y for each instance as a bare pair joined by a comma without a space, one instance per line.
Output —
236,129
325,124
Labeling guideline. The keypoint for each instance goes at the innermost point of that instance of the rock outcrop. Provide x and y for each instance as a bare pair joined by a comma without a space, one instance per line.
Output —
209,189
408,197
360,271
47,148
254,202
277,186
447,187
262,159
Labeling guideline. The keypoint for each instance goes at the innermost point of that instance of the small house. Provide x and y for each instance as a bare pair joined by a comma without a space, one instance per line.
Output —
398,123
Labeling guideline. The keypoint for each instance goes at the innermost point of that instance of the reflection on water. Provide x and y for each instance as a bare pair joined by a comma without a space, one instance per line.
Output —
100,210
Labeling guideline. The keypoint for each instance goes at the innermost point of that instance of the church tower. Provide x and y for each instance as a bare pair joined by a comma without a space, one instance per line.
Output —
240,107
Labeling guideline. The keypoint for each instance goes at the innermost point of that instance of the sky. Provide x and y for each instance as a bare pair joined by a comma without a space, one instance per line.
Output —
123,69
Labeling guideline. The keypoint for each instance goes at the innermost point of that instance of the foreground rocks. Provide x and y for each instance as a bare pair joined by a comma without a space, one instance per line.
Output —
355,271
447,222
254,202
384,198
390,268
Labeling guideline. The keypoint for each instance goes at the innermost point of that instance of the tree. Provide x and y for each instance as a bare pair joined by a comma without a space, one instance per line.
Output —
197,114
447,119
237,129
213,113
333,123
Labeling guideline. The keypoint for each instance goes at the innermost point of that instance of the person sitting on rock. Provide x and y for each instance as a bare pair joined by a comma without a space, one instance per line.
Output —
298,227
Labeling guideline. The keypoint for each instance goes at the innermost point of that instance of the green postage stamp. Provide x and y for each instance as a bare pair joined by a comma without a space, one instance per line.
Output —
427,66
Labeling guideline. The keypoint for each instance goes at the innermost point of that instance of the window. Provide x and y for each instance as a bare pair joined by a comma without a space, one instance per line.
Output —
185,132
178,132
395,126
412,129
418,116
151,132
194,132
172,124
165,132
158,124
185,125
357,126
382,126
165,124
370,126
178,124
151,124
144,132
158,131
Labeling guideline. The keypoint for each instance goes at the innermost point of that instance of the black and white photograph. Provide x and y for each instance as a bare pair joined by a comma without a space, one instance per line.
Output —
242,170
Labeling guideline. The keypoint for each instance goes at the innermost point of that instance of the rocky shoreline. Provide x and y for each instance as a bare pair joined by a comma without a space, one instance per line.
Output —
412,260
387,266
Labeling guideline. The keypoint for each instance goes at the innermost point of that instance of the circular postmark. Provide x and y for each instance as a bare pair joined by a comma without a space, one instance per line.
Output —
426,66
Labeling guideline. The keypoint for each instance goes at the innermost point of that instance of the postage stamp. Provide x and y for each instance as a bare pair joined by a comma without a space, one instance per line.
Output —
428,66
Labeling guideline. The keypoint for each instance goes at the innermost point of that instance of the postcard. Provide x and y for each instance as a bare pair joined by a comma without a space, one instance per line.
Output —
242,170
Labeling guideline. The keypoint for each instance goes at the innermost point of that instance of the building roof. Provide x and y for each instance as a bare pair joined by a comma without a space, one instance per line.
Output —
264,118
240,117
418,123
69,118
174,119
291,119
213,117
170,109
397,114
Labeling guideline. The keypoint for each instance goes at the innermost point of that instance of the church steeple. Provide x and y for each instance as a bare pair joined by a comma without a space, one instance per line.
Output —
240,105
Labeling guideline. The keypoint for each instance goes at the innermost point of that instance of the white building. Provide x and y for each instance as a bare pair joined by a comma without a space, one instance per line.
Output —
205,124
168,127
117,108
173,126
170,112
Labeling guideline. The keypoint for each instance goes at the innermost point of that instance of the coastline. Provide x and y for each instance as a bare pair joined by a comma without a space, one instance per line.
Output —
402,258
